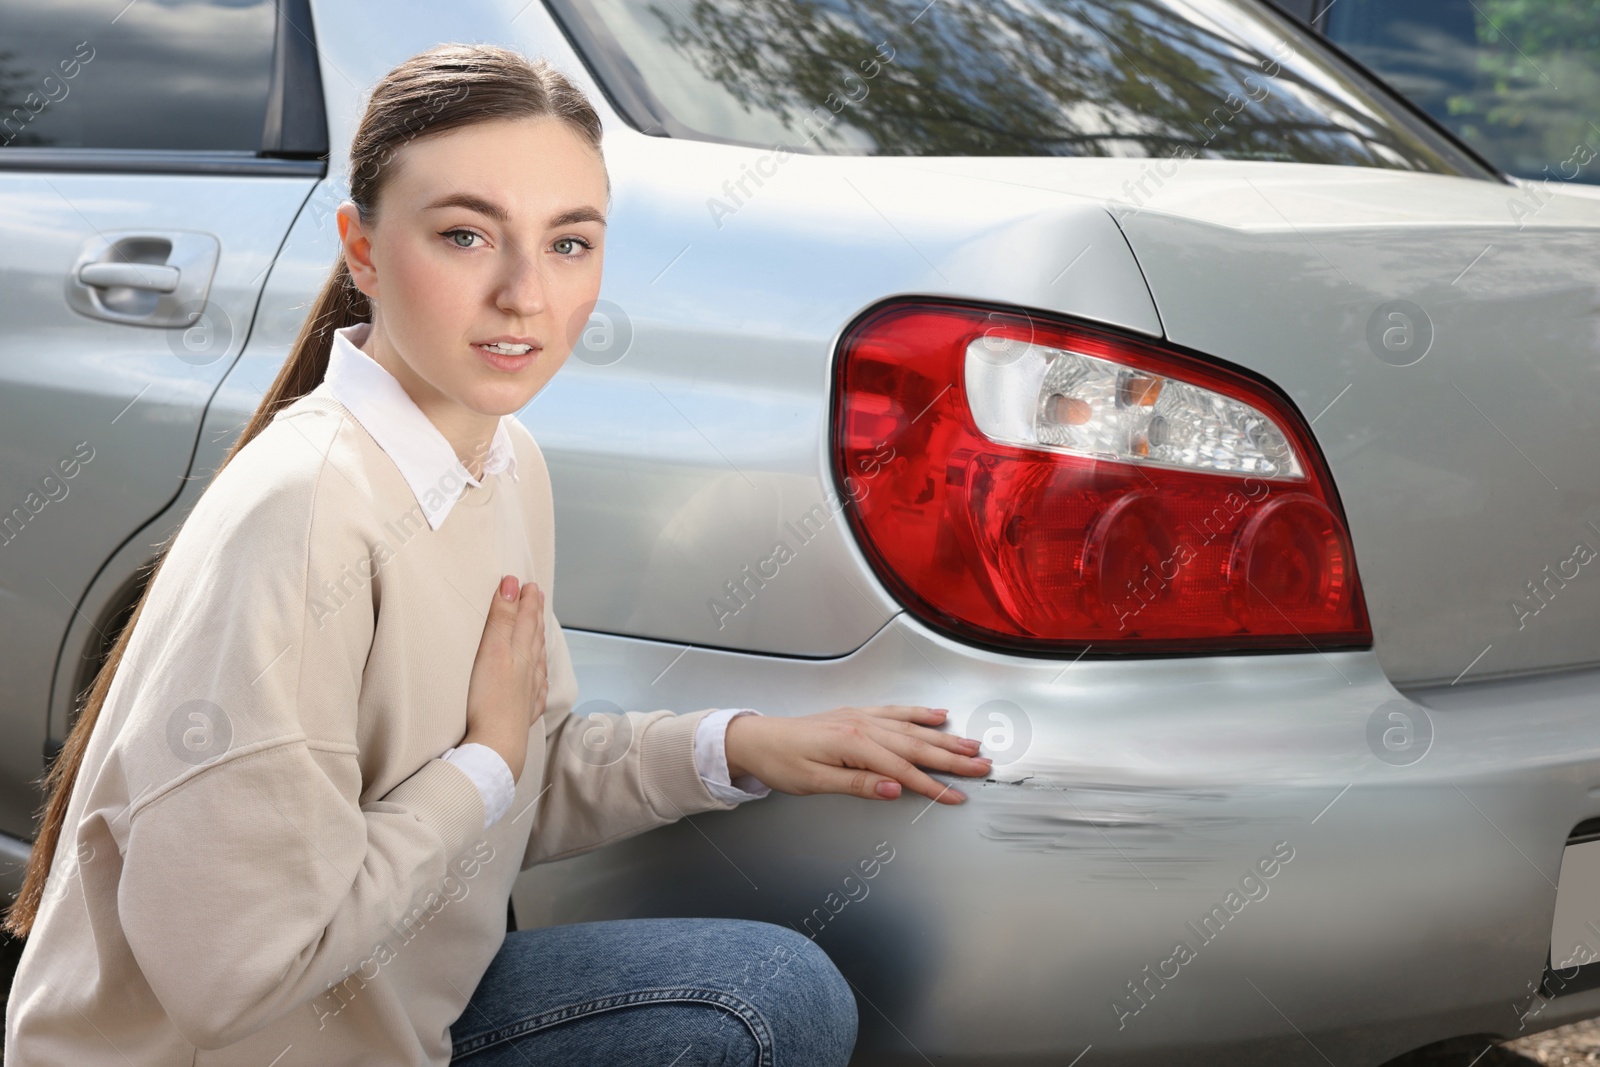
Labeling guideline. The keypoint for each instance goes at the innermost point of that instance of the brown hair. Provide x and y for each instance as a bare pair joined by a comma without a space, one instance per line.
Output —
444,88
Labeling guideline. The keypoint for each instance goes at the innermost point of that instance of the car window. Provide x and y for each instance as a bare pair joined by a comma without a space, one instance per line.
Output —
1223,79
1518,80
153,74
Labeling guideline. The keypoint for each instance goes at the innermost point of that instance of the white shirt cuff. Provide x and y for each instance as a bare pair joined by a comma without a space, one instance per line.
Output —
711,758
489,772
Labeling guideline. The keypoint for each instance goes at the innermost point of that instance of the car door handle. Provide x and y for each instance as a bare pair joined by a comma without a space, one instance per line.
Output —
148,276
159,278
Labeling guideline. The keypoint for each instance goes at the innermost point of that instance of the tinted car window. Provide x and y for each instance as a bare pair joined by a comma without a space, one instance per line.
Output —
154,74
1222,79
1519,80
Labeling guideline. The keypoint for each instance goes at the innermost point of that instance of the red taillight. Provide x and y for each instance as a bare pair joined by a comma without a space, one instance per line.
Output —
1022,482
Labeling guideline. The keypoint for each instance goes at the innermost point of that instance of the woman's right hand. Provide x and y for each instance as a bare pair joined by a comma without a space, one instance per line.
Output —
506,694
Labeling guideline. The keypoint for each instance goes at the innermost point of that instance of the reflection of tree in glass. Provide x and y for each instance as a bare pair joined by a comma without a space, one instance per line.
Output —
16,83
1537,96
1033,77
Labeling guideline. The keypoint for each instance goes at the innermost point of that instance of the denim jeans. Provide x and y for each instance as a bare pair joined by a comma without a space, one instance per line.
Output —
658,992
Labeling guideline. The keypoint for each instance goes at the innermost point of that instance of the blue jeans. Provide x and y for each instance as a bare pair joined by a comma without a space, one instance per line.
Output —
658,992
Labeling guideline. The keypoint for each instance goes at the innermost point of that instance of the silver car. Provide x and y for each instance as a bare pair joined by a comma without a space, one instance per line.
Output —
1203,425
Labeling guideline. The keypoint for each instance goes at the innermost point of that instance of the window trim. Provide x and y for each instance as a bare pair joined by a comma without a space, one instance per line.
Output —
294,136
296,124
157,161
629,95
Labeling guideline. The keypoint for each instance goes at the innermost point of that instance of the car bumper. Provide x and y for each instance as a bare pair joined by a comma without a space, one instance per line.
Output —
1129,799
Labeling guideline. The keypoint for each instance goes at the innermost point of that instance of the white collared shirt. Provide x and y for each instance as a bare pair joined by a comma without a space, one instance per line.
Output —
426,459
429,464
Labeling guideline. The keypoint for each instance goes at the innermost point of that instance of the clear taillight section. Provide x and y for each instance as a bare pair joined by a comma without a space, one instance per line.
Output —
1037,484
1057,399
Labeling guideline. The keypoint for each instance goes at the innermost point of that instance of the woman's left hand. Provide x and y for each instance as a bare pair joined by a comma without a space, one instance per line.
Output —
868,752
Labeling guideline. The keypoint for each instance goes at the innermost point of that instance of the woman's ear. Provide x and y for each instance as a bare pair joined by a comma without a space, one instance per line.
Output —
357,243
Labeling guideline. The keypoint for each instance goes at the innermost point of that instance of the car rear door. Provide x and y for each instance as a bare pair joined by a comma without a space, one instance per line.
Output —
152,157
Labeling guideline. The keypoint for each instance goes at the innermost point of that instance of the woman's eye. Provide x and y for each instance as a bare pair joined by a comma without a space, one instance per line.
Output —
454,235
577,241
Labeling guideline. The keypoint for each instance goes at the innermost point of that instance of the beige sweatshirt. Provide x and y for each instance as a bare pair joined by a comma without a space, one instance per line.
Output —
264,861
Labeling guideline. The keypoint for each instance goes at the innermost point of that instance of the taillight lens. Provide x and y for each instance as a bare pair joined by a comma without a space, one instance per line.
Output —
1037,484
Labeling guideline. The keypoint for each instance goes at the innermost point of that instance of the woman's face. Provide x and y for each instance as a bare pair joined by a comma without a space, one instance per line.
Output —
492,232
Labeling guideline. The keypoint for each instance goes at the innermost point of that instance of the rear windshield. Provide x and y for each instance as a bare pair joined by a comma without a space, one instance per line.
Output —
1219,79
1518,80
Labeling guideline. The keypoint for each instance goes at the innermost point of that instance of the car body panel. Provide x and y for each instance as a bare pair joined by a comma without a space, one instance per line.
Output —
1459,472
1539,189
680,467
126,400
1282,269
1132,797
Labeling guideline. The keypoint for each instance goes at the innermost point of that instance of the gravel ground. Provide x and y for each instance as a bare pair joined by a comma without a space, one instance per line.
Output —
1578,1043
1575,1044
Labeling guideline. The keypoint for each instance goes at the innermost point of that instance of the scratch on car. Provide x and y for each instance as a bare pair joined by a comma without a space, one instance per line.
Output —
1119,830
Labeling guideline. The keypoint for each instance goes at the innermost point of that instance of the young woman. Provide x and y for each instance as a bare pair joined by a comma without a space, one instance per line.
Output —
286,824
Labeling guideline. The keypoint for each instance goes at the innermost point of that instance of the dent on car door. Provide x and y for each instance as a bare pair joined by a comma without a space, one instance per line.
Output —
152,156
